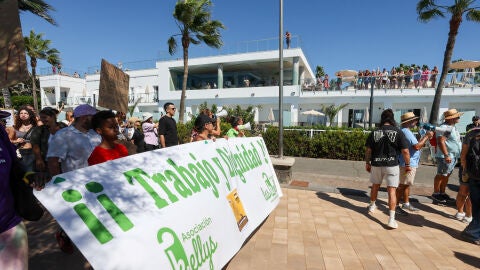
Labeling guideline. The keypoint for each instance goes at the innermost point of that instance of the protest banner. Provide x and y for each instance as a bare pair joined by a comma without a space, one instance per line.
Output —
113,91
13,64
190,206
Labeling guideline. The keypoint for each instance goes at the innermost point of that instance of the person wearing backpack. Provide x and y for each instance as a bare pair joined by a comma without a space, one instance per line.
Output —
470,162
448,151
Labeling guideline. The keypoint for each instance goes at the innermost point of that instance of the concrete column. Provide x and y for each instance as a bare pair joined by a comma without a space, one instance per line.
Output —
256,115
57,96
294,114
295,75
220,76
235,79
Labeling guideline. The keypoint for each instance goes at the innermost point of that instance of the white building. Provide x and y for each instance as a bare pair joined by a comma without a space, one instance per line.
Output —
252,79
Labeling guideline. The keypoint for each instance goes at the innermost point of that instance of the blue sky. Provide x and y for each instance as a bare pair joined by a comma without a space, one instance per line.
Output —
340,34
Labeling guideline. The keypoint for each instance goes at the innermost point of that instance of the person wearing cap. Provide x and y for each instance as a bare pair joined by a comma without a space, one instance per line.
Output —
448,151
167,127
475,123
409,120
381,161
69,150
203,127
137,138
149,132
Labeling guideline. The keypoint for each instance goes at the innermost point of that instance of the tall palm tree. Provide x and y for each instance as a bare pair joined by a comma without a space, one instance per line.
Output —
39,8
429,9
193,18
39,49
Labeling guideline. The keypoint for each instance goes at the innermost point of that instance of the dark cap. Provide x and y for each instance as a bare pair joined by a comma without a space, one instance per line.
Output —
4,114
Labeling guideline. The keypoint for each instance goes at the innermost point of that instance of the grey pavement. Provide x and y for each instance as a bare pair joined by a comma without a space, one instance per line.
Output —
350,177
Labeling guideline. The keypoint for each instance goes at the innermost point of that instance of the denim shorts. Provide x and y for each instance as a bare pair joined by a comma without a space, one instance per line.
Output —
444,168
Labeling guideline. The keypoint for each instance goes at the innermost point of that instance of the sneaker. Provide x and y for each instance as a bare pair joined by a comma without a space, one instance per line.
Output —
399,211
437,197
392,223
409,207
447,198
460,216
467,219
64,242
371,208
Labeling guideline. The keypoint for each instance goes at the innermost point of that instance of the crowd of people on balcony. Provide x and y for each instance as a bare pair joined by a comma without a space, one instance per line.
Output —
403,77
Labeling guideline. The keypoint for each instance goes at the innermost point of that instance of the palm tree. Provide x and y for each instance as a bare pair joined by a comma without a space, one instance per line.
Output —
332,111
39,8
429,9
193,20
39,49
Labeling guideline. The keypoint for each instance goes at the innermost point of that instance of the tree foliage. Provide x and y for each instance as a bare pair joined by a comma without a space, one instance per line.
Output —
193,18
331,111
430,9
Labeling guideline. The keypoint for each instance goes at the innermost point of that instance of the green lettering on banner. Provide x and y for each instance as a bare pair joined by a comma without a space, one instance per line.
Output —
217,162
262,147
271,192
186,176
179,186
120,218
161,181
139,174
177,256
93,223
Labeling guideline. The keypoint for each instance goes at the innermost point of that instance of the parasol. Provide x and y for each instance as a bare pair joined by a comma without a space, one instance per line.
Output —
465,64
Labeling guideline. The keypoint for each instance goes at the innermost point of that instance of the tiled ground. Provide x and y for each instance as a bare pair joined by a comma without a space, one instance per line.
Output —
310,230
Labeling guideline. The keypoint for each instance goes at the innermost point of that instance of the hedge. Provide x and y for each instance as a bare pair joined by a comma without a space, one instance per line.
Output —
331,144
18,101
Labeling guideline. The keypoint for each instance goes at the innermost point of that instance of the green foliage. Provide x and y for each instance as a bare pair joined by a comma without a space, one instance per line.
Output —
331,144
319,71
18,101
248,114
184,131
332,111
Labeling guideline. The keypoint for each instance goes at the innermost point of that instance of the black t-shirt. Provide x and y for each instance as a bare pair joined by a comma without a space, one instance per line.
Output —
386,143
168,128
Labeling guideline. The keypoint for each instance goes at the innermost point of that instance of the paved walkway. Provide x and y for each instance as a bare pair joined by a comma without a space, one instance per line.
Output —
314,230
322,223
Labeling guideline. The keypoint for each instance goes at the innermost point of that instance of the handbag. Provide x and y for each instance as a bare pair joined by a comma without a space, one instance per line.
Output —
25,203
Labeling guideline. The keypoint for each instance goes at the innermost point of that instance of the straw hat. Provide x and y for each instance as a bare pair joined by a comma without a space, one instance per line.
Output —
133,120
451,114
409,116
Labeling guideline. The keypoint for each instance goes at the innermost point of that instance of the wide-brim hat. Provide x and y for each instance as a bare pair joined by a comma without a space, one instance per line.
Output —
4,114
452,114
133,120
409,116
146,116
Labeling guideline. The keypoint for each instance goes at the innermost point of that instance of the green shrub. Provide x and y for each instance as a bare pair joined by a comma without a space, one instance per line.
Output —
330,144
18,101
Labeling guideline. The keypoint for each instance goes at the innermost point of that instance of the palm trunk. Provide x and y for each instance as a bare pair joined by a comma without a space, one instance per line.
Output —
184,83
7,99
33,63
452,35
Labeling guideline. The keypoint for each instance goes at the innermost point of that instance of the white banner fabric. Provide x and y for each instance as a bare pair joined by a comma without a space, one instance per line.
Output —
190,206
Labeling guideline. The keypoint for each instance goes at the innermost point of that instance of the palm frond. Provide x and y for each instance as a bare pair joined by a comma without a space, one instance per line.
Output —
172,45
39,8
473,15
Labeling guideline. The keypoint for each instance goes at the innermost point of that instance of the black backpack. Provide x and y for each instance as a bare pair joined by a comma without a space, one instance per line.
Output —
473,157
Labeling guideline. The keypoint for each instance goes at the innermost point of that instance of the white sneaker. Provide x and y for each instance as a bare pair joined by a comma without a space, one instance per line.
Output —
392,223
460,216
467,219
371,208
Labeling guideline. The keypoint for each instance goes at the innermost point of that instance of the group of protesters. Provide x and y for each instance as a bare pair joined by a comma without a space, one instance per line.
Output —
40,143
392,154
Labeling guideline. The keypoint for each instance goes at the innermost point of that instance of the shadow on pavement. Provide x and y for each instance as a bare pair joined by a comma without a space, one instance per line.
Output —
348,205
468,259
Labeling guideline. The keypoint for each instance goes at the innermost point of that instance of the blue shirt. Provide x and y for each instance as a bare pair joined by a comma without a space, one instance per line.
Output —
453,142
414,153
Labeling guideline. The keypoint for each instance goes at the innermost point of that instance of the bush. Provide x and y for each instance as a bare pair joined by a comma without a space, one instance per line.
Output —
329,144
18,101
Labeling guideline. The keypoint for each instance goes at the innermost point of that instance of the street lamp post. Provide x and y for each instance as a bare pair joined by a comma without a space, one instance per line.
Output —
370,108
280,84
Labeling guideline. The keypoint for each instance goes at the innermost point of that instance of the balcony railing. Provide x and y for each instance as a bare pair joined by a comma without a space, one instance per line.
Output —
453,80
